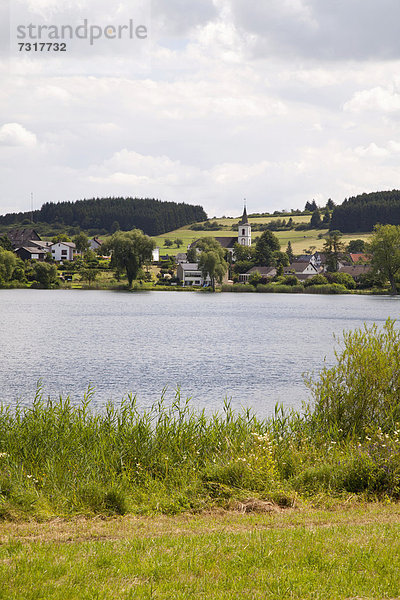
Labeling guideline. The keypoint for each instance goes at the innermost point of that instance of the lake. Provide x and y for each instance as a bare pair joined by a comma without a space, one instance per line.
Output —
250,348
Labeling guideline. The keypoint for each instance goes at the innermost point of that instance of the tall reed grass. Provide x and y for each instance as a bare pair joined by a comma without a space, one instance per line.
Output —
57,458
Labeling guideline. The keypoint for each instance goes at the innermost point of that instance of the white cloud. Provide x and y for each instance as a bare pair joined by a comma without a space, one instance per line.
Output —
391,149
375,99
372,151
273,101
132,168
14,134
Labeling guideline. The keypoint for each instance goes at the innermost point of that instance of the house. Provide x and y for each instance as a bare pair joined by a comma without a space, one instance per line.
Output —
302,269
360,257
181,257
189,275
41,244
156,254
31,253
356,270
265,272
321,261
94,243
21,237
311,258
63,251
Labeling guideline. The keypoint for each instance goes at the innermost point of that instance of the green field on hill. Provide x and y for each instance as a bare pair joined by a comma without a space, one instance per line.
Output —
300,240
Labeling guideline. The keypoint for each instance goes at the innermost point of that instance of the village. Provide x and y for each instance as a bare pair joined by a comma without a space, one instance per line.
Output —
183,269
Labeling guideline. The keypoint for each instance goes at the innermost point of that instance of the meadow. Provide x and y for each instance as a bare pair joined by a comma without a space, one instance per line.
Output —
346,552
301,241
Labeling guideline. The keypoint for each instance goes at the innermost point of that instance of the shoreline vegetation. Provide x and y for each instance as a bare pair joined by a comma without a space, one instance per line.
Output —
173,503
271,288
61,460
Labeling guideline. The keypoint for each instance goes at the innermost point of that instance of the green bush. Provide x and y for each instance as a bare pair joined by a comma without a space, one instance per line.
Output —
289,280
254,469
242,287
343,279
363,387
329,288
374,467
316,280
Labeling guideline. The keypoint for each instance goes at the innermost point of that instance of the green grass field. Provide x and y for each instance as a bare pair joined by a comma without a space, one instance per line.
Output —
346,553
300,240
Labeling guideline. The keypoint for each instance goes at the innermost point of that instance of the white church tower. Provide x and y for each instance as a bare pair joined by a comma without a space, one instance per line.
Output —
244,231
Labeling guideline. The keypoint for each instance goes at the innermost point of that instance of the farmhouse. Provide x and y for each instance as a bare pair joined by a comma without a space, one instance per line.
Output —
23,237
356,271
94,243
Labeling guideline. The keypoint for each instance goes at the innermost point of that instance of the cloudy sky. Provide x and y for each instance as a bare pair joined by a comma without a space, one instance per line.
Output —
275,101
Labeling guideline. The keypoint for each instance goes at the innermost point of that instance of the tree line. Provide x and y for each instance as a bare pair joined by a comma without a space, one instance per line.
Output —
108,215
363,212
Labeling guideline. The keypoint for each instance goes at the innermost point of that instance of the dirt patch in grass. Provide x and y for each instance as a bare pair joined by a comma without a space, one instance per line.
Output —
249,516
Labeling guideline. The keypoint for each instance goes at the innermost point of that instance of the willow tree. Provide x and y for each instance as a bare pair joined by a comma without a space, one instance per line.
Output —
129,251
212,260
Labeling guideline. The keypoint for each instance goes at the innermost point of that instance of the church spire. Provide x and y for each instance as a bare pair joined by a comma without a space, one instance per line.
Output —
244,218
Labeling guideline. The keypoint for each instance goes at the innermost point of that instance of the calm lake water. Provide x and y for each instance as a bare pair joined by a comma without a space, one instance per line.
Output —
250,348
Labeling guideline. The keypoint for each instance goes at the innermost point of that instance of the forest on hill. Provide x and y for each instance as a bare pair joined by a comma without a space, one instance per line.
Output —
363,212
107,215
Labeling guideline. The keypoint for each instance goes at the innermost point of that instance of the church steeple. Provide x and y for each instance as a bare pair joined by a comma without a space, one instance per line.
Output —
244,230
244,220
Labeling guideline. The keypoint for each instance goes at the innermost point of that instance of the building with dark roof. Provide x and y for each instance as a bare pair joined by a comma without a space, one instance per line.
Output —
31,253
22,237
243,238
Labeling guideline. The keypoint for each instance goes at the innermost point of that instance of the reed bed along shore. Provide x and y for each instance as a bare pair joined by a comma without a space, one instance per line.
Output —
57,458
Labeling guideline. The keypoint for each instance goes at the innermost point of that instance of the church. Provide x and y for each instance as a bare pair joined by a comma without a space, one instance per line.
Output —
243,238
189,274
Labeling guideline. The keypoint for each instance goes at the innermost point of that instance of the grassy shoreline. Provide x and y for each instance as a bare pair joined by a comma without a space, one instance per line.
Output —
60,460
330,289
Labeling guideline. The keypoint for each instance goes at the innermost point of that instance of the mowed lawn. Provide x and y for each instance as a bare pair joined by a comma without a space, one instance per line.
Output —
345,553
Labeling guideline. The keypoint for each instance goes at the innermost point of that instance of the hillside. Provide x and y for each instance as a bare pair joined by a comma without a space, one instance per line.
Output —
363,212
300,240
105,215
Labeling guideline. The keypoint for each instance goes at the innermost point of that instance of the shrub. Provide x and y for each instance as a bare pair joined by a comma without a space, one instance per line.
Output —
363,387
329,288
316,280
289,280
343,279
242,287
